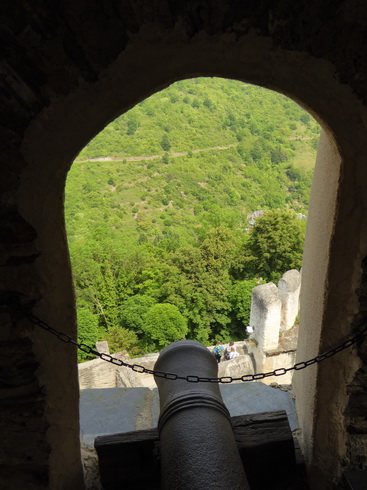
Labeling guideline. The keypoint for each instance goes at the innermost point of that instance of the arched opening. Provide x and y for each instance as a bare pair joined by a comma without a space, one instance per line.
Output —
162,178
147,167
59,132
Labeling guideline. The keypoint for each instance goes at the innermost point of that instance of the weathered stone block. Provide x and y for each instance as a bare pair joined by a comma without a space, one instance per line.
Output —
265,316
102,347
289,288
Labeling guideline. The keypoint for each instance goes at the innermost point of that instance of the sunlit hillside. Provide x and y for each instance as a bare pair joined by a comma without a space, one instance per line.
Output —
176,176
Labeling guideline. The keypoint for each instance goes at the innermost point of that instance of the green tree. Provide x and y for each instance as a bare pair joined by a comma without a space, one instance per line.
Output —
108,295
240,297
217,249
165,143
121,339
132,123
87,331
198,283
133,312
165,324
92,287
275,244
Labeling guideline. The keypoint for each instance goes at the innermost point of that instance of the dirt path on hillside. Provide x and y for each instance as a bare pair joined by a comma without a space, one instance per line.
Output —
154,157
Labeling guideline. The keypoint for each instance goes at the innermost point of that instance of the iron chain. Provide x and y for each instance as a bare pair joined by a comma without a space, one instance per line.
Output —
358,338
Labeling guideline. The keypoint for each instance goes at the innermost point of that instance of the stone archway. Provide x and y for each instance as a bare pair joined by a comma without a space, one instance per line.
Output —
120,73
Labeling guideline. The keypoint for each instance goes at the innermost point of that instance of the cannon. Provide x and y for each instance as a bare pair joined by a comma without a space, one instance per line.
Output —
198,448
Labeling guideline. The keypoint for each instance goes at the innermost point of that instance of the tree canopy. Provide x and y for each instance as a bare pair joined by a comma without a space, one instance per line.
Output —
165,324
276,244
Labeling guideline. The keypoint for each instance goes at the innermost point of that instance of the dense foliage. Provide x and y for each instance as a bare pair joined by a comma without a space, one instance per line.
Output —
275,244
159,236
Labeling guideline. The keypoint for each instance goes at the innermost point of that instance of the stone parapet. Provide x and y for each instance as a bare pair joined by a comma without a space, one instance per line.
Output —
265,316
289,288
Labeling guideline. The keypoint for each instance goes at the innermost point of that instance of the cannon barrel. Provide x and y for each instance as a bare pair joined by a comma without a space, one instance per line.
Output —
198,448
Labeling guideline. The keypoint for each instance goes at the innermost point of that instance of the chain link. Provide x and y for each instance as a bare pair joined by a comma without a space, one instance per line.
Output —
358,338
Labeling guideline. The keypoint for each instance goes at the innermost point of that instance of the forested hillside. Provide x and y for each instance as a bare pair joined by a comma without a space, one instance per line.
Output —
158,232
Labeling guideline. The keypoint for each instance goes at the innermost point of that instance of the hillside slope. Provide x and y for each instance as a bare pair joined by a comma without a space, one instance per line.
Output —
199,148
157,209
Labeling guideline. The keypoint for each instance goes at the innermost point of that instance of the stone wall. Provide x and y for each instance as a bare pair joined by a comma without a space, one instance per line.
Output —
289,290
274,310
101,374
97,374
265,316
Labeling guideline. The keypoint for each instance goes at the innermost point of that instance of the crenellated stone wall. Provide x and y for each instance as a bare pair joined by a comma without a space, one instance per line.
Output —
98,374
265,316
274,310
289,290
